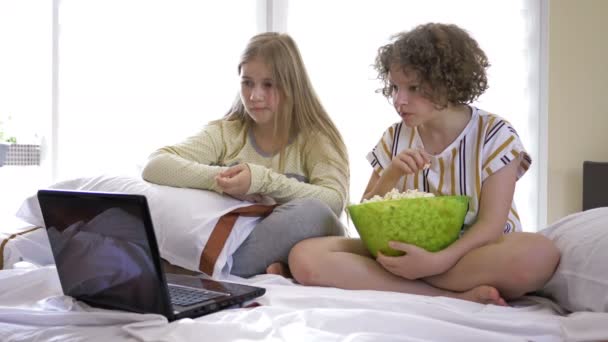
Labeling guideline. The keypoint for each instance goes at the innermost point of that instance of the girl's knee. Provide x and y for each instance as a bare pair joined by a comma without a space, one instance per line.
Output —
308,259
536,260
303,259
548,255
542,251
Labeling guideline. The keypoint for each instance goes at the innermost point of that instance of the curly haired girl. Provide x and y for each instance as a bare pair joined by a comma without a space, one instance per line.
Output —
445,146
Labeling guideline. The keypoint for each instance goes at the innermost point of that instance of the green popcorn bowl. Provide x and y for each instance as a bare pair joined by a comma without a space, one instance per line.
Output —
432,223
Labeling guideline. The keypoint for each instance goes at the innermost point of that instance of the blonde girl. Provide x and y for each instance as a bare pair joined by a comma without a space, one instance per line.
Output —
277,143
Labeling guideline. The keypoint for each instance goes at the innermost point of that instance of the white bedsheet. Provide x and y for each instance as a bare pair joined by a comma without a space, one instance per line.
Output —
32,308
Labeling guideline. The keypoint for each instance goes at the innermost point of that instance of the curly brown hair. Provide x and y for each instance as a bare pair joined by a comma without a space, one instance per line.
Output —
447,60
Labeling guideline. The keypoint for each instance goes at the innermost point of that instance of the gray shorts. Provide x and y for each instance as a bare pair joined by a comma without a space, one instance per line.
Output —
272,238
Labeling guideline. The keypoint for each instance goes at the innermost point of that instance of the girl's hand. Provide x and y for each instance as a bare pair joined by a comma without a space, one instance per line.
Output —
410,161
415,264
235,181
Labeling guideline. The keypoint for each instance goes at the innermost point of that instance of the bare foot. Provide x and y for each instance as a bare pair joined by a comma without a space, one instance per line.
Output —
280,269
483,294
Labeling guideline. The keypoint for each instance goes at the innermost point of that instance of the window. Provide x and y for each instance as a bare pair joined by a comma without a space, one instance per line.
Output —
135,75
111,81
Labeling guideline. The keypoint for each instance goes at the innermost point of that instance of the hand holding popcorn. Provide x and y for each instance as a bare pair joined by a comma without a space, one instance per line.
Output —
410,161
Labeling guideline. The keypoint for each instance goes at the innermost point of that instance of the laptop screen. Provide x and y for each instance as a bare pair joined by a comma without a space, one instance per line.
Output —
102,252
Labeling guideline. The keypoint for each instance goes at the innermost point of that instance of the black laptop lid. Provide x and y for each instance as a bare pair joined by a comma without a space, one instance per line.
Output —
103,252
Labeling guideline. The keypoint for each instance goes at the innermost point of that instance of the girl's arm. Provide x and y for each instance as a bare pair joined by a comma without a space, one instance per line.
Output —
495,201
188,164
494,205
328,178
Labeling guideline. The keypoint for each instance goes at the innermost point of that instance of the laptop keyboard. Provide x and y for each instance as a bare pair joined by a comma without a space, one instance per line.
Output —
186,296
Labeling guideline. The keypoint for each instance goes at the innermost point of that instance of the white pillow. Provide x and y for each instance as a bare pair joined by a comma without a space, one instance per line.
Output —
183,218
580,282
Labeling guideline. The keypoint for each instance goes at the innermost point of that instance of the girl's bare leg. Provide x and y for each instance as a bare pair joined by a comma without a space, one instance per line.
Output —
516,264
346,263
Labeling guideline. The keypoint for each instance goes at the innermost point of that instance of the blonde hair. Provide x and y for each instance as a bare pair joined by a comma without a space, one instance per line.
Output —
300,110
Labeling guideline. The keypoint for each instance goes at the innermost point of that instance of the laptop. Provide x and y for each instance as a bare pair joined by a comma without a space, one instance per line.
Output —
106,255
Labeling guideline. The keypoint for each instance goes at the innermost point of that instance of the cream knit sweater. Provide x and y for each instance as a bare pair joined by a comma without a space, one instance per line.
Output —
312,168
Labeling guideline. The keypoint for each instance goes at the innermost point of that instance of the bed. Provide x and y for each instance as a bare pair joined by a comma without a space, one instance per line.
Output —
33,307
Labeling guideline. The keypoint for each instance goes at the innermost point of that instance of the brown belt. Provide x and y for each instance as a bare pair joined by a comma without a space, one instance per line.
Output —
222,230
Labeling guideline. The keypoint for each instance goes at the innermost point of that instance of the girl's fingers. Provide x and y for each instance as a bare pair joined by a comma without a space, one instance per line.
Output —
401,165
387,261
225,183
231,172
420,160
416,159
426,158
425,154
381,259
409,162
400,246
238,184
228,179
405,247
221,183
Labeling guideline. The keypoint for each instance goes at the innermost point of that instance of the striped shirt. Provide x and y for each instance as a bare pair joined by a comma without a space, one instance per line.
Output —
312,168
487,143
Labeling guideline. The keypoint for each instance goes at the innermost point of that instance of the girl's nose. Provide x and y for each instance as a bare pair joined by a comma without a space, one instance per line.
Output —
256,94
401,98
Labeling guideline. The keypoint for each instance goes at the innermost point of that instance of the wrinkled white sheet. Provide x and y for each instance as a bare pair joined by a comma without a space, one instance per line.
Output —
32,308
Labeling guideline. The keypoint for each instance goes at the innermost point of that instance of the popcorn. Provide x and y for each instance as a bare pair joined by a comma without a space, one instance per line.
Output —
395,194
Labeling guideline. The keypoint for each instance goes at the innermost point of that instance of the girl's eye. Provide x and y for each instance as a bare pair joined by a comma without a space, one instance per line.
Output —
414,88
392,88
247,83
267,85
